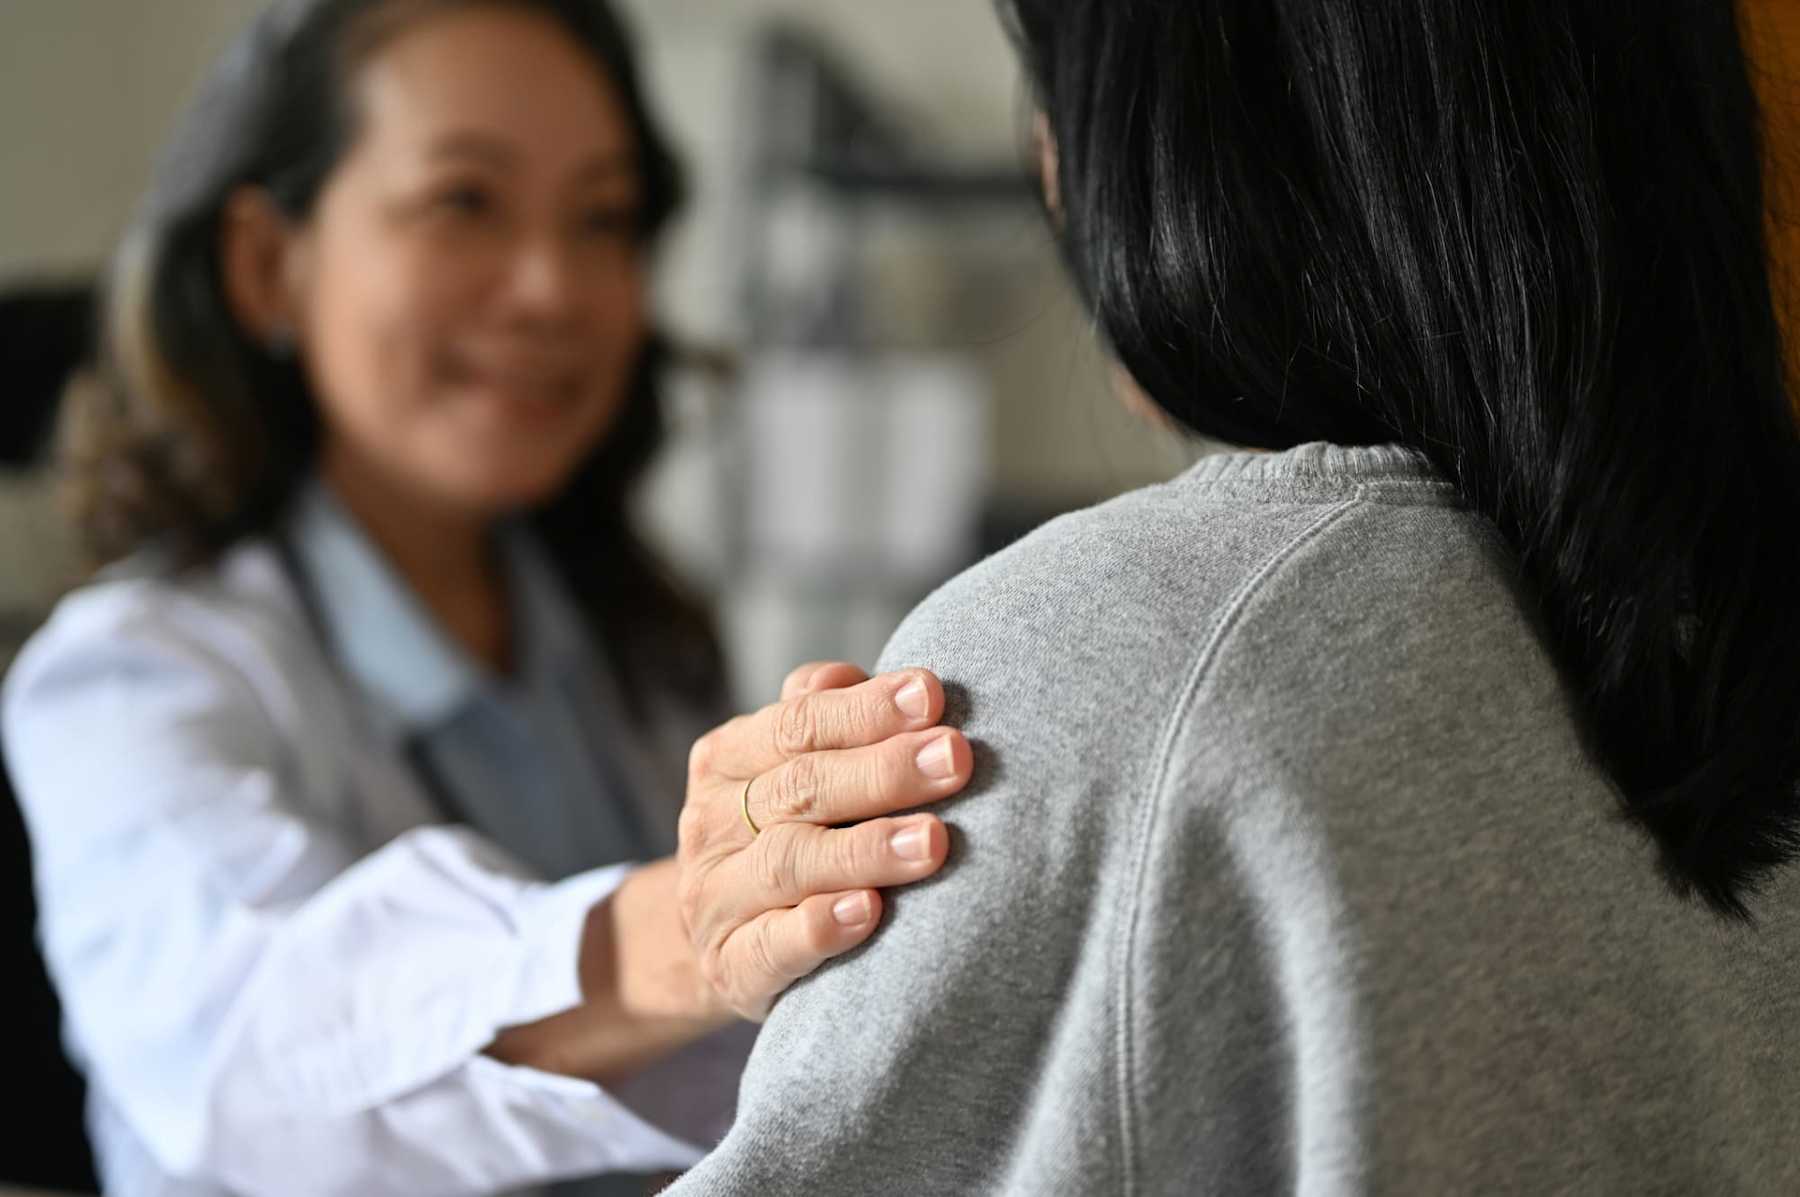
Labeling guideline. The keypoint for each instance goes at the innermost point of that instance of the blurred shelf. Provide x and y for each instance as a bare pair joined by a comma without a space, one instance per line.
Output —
861,181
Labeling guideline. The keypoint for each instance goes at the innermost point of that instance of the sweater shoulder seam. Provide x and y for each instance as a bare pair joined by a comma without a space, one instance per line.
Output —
1122,988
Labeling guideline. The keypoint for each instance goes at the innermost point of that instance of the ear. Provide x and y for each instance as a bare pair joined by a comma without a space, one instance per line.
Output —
1049,165
1128,391
258,252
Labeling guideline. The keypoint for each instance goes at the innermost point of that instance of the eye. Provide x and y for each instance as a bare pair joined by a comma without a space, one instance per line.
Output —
613,222
465,199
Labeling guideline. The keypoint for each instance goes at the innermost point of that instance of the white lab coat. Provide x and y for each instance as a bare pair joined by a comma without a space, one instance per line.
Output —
279,967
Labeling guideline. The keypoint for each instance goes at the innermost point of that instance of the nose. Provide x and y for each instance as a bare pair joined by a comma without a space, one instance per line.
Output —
541,279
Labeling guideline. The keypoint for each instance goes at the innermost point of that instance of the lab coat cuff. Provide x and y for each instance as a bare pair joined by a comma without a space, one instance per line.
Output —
585,1124
552,924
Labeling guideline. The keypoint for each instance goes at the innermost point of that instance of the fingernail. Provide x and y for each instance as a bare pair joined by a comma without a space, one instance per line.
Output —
851,911
914,700
937,760
913,843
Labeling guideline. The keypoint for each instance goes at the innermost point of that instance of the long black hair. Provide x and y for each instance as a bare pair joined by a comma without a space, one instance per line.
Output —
1525,239
195,435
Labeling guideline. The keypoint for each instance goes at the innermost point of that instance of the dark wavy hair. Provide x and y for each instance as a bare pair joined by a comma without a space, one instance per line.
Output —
1526,240
194,435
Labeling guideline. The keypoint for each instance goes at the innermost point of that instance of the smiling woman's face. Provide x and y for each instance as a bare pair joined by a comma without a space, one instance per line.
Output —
469,290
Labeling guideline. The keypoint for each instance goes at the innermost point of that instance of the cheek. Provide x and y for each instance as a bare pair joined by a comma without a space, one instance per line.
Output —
618,324
375,314
621,315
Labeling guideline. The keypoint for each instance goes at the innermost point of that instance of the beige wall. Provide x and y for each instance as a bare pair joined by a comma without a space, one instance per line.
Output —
87,88
946,60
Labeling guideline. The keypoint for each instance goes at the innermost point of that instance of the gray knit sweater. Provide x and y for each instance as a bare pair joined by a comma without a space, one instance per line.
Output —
1283,871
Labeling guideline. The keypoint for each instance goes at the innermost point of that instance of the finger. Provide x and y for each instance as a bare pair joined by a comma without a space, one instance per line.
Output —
839,675
851,718
769,953
821,675
791,862
853,784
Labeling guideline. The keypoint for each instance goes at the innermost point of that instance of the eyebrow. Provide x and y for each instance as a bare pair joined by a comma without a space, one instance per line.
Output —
496,151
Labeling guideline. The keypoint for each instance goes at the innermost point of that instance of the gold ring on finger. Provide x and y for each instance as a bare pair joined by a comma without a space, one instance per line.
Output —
748,821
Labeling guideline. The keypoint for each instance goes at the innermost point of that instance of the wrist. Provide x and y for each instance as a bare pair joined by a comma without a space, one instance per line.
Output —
642,996
636,958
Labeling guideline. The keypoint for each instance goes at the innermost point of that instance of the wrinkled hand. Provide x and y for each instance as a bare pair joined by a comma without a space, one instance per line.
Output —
765,908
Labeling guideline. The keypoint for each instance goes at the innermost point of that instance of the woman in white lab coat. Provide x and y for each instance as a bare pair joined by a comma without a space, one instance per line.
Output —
336,773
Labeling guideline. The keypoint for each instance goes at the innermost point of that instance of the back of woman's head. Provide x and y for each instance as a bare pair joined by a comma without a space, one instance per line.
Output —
1526,240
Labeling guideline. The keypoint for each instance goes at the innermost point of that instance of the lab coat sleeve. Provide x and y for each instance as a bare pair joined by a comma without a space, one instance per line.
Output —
266,1009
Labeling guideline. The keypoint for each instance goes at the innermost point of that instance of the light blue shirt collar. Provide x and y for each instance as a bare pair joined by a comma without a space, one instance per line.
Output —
391,645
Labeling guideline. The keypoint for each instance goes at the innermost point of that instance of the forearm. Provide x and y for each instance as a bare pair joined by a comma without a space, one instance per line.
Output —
643,996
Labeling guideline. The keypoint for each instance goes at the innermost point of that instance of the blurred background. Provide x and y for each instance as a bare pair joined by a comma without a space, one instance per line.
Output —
892,378
908,384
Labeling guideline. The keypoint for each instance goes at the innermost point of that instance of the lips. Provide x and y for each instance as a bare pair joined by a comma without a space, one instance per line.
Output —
531,381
